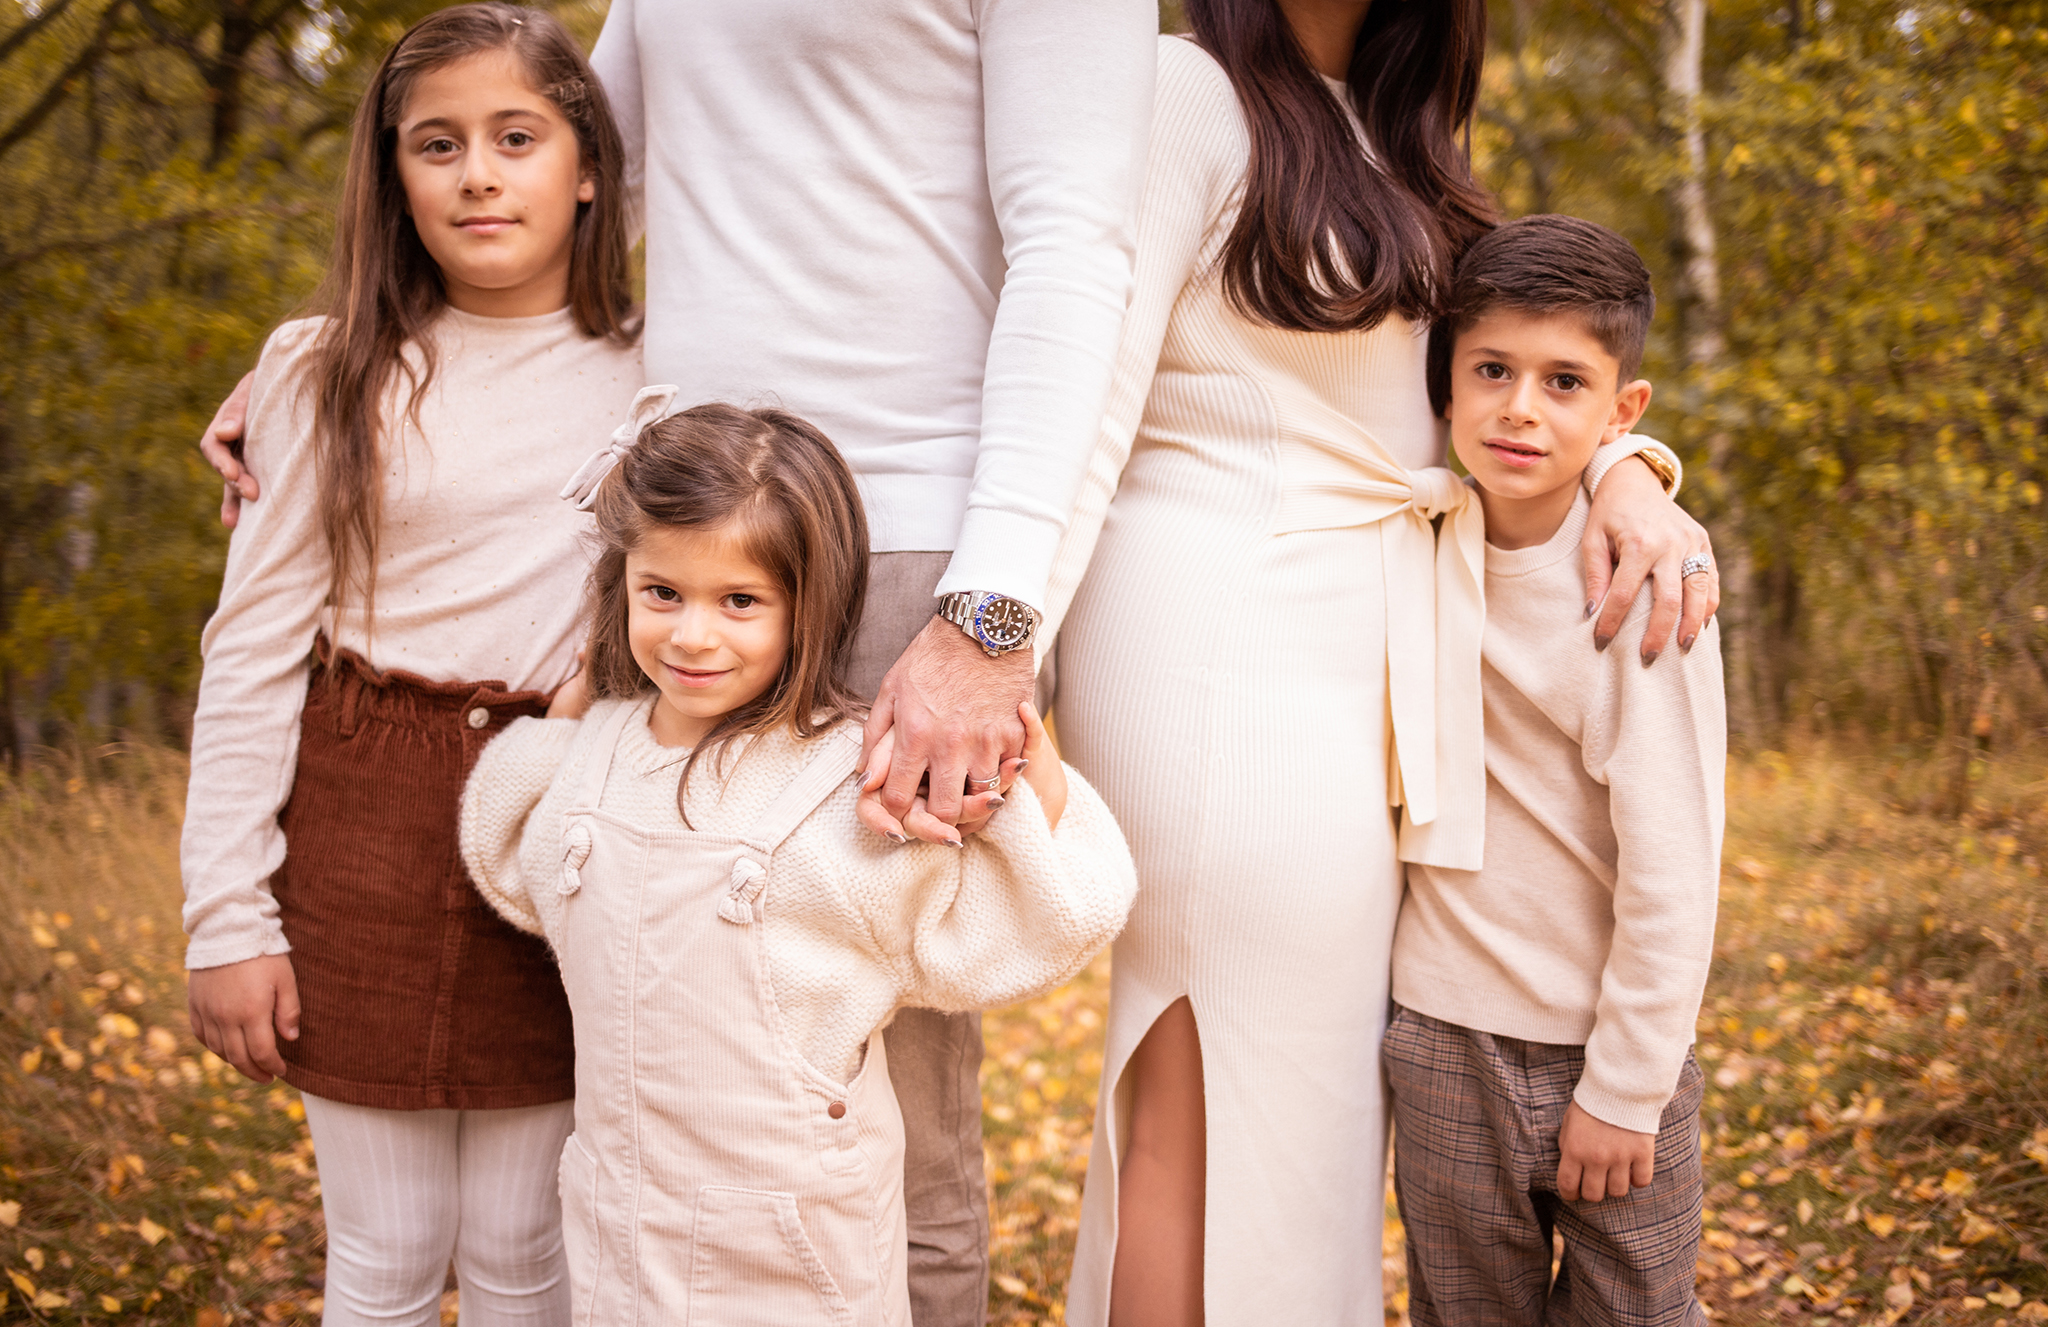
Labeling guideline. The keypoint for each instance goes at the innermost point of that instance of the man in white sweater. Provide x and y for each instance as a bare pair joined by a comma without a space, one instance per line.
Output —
910,222
1540,1052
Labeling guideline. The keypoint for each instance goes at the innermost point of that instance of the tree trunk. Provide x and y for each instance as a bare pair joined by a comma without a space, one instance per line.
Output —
1701,320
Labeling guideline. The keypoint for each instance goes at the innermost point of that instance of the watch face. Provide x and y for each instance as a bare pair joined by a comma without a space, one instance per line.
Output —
1003,624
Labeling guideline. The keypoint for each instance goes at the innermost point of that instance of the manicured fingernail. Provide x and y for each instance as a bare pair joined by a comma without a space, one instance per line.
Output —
995,801
1650,657
1602,642
952,843
899,838
1591,605
1685,646
1022,761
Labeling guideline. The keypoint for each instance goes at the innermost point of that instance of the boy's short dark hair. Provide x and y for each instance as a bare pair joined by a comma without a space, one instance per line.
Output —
1548,264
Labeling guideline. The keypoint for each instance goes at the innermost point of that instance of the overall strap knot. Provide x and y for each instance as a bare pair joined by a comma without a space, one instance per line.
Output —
749,878
1436,490
575,852
650,405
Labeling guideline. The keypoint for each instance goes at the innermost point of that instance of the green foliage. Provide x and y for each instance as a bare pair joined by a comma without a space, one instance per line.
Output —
1870,432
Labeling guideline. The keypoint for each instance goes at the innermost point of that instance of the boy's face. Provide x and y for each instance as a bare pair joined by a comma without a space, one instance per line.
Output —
1532,396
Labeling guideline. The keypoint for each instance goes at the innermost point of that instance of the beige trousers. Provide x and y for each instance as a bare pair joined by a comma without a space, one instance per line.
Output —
934,1058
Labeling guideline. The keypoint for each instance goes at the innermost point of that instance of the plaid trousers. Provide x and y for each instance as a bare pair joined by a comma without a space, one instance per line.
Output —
1476,1118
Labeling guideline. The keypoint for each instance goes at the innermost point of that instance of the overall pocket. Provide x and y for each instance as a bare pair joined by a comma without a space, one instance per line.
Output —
755,1266
580,1242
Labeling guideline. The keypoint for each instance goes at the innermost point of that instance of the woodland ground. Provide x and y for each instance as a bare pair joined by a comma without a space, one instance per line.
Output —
1876,1039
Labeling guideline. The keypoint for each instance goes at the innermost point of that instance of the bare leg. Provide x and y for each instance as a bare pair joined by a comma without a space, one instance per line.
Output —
1161,1193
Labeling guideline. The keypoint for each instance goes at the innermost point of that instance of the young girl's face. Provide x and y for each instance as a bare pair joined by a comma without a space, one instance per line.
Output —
707,623
492,175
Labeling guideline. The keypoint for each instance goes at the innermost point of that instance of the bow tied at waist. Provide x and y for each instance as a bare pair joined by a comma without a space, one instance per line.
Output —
1336,475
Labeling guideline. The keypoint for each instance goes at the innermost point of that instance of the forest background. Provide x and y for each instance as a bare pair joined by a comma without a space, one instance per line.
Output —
1845,203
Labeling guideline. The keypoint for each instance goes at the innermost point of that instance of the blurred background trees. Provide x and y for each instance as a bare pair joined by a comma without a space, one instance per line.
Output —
1845,203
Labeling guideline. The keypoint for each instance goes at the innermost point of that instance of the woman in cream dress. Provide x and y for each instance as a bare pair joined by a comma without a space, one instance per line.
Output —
1224,680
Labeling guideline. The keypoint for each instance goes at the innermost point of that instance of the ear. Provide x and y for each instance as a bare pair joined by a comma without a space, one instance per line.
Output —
1629,404
586,189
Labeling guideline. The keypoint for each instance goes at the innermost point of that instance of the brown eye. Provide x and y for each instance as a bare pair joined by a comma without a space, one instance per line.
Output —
743,601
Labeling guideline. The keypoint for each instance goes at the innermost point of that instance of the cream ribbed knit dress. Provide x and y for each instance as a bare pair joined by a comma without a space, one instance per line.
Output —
1223,681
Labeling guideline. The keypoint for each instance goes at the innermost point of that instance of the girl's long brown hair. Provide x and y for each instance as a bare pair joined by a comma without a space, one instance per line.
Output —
782,488
383,290
1330,237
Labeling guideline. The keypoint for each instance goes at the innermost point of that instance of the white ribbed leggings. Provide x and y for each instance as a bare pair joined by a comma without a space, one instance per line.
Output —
406,1190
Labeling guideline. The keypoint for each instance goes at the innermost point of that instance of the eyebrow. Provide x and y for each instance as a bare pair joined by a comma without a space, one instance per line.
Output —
1553,366
499,117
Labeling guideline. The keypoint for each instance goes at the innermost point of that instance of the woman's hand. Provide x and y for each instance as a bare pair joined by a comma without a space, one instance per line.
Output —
571,699
975,808
221,445
239,1010
1636,532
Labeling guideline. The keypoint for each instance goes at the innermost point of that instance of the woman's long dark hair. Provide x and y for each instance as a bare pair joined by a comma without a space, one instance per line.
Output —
1330,238
383,290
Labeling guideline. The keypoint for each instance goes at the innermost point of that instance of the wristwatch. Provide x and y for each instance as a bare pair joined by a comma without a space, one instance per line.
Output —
995,622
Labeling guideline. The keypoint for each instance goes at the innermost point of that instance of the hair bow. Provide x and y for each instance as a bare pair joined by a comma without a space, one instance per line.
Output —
650,405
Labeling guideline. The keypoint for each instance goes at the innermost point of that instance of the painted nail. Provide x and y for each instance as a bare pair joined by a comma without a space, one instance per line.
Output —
1602,642
1685,646
995,801
1650,657
953,843
899,838
1022,761
1591,605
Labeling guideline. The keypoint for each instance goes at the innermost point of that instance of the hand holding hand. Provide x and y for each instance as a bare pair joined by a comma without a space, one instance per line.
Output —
952,711
239,1010
1636,532
221,445
1042,769
1600,1160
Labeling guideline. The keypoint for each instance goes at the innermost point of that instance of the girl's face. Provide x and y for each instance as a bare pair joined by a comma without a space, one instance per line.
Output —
707,624
492,176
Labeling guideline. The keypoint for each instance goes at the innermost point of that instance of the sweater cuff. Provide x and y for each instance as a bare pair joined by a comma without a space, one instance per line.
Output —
1615,1104
1003,553
200,954
1606,457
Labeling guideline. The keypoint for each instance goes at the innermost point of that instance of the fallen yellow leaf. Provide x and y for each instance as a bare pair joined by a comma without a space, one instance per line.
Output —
108,1304
1899,1296
22,1283
1956,1183
152,1233
10,1213
2005,1296
1805,1211
2033,1311
1794,1284
1881,1223
32,1059
50,1299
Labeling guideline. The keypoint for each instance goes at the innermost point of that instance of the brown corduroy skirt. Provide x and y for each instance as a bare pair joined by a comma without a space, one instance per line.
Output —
415,995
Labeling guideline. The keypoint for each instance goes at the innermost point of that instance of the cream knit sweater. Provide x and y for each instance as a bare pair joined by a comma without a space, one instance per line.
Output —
856,925
1592,921
479,577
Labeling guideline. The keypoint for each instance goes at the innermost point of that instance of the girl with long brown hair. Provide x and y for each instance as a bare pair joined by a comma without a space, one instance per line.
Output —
407,591
1251,670
683,830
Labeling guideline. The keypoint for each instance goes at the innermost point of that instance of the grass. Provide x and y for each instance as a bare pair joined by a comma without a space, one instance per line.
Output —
1876,1037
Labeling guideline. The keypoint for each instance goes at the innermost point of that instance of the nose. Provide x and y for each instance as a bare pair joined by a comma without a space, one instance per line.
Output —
479,175
695,630
1520,407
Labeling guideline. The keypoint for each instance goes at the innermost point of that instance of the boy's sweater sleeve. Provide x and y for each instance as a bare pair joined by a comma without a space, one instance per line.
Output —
512,822
1657,737
1017,911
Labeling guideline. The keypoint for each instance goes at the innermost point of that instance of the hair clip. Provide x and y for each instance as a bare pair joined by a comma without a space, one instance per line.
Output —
650,405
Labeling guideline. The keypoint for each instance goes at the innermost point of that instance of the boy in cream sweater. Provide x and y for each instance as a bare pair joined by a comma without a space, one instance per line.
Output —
1540,1052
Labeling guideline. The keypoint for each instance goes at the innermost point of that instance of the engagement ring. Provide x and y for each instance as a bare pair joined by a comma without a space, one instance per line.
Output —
1696,563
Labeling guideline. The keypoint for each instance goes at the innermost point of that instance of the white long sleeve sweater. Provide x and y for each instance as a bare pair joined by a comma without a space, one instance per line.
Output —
908,221
856,925
1592,921
479,577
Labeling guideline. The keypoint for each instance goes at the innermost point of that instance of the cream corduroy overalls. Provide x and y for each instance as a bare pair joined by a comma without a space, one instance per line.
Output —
715,1178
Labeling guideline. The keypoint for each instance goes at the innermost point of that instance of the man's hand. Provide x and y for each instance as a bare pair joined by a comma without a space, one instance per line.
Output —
950,713
221,445
1636,531
239,1010
1600,1160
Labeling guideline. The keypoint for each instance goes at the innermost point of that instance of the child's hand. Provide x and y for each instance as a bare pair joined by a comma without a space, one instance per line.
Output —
1042,769
1600,1160
572,698
239,1010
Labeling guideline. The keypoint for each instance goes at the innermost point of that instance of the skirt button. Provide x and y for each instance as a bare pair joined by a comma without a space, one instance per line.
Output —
479,716
837,1110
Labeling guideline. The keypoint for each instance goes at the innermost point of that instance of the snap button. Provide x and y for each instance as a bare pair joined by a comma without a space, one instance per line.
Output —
479,716
837,1110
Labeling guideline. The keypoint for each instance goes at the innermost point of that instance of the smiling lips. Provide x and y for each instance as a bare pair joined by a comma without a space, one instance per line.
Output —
695,677
1513,453
485,225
